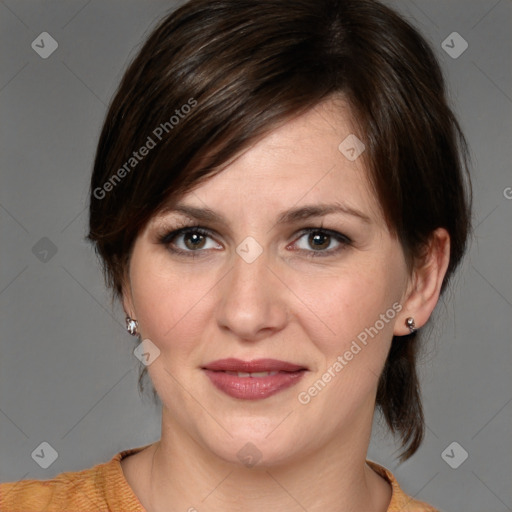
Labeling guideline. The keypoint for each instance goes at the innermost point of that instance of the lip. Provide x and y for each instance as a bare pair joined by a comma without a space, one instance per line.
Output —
253,388
256,365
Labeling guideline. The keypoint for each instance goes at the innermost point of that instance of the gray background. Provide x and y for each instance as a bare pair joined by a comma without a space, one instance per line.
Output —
67,372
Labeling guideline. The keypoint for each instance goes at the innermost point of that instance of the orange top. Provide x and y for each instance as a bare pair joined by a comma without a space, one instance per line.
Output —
104,488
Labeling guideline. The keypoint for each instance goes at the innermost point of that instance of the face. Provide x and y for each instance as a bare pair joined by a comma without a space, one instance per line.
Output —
295,265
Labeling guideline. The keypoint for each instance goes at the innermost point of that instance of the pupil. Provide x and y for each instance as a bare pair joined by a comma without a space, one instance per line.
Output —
316,239
194,240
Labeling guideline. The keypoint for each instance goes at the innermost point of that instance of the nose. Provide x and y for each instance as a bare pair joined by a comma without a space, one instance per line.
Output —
252,303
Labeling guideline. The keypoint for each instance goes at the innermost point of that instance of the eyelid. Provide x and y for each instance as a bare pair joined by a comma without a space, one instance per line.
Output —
342,239
170,235
325,231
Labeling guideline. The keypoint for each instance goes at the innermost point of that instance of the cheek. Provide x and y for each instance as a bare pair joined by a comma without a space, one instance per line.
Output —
169,304
345,304
352,327
360,313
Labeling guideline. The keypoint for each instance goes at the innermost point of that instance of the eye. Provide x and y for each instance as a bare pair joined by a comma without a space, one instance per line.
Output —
320,240
188,240
192,240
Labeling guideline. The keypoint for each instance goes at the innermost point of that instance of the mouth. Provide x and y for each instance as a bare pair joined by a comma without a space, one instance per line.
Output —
253,380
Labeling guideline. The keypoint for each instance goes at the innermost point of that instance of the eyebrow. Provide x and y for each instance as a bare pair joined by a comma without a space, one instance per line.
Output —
287,217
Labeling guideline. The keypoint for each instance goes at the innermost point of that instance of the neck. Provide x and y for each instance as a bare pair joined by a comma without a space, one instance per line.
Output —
334,477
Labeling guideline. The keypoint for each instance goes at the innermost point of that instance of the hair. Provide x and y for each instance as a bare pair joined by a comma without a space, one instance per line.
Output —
216,75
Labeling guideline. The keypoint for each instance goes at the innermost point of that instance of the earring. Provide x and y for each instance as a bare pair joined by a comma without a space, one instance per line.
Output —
132,326
409,322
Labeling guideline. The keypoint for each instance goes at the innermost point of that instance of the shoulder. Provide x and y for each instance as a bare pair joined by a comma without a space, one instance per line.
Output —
400,501
93,489
66,491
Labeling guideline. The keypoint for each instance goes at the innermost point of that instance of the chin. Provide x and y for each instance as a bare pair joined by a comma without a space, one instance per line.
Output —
256,454
263,447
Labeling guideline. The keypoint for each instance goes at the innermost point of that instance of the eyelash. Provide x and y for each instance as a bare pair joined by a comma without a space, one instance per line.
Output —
167,239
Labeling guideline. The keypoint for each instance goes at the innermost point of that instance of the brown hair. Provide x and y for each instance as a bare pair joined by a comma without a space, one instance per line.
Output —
214,76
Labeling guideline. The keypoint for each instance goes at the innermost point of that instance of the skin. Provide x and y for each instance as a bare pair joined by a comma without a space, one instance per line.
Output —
284,305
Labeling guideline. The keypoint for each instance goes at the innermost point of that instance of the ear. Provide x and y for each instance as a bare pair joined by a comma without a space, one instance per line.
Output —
425,282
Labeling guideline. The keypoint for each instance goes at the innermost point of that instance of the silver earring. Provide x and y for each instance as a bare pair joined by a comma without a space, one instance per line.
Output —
409,322
132,326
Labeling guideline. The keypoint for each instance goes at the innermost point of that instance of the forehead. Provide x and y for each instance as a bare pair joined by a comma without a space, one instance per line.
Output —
300,162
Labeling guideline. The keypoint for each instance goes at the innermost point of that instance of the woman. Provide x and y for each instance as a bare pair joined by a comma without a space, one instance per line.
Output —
279,198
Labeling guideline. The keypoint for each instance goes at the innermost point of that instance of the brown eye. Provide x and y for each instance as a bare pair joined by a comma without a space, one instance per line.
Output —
319,240
189,241
194,240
